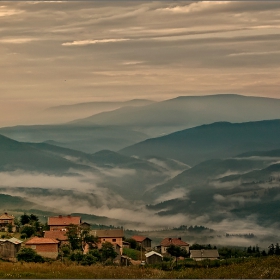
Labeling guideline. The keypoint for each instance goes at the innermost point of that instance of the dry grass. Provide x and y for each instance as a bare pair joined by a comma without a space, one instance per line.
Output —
255,268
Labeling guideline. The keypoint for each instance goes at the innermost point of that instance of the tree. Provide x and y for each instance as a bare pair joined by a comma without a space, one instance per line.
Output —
29,255
277,249
10,228
87,238
107,251
176,251
28,230
271,250
73,237
24,219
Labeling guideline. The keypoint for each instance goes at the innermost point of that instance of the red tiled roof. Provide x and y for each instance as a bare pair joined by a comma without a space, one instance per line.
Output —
139,238
41,240
175,241
64,221
56,234
111,233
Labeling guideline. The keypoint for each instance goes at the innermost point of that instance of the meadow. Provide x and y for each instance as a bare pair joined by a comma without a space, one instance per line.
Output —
251,268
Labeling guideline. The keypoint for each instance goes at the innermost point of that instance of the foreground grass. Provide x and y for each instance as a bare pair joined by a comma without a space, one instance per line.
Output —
268,267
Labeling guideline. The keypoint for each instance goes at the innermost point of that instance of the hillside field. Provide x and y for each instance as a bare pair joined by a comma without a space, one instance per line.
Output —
255,268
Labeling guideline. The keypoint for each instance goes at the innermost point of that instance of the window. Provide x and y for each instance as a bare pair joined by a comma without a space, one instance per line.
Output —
114,240
33,246
103,239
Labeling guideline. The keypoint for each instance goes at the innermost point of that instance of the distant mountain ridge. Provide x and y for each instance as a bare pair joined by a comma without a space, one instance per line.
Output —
217,140
188,111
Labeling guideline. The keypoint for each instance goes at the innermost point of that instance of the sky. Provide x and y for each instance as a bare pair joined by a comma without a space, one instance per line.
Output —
66,52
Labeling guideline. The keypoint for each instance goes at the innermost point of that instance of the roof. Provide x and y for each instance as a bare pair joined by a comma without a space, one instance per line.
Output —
153,253
64,220
204,253
5,216
175,241
56,234
15,240
139,238
41,240
108,233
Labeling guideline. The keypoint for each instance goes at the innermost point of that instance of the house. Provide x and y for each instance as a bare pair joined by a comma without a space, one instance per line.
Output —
58,235
143,241
125,244
46,247
9,248
114,236
167,242
85,226
153,257
202,254
5,221
62,222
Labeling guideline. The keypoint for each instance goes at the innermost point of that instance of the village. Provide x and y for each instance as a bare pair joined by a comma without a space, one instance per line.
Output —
65,234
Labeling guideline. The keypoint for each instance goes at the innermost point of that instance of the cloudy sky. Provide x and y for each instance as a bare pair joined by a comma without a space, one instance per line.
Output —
56,53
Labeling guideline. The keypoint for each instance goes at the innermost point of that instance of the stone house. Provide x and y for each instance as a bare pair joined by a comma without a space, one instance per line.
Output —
46,247
9,248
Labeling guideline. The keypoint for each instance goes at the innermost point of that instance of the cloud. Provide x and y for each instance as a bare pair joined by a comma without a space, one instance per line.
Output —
194,7
92,42
254,53
5,11
17,40
173,194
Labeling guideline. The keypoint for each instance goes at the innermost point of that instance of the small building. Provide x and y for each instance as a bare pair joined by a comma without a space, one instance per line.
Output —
125,244
62,222
46,247
202,254
85,226
153,257
143,241
114,236
167,242
58,235
7,220
9,248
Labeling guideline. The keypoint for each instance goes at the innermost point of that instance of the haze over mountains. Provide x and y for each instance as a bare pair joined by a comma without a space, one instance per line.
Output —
220,167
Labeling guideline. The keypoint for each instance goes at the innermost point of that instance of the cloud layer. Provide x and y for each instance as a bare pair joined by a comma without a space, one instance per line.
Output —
155,50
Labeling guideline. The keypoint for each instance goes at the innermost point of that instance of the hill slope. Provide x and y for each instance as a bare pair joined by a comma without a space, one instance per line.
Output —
217,140
189,111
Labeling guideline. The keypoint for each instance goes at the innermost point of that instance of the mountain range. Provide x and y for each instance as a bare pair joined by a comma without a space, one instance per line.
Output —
218,161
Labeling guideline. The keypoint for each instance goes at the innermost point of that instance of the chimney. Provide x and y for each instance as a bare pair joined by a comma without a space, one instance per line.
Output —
60,216
179,238
170,239
6,213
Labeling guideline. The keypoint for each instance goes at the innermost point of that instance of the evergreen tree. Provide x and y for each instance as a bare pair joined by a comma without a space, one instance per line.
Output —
271,250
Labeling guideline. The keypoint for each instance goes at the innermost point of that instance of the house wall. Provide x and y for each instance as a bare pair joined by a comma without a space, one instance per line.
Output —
113,240
164,248
63,227
153,259
45,250
146,243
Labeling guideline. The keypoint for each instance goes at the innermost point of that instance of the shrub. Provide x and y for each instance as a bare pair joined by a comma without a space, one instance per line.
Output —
88,260
29,255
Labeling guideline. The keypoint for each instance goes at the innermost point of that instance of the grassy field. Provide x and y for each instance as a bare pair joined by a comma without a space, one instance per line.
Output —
268,267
